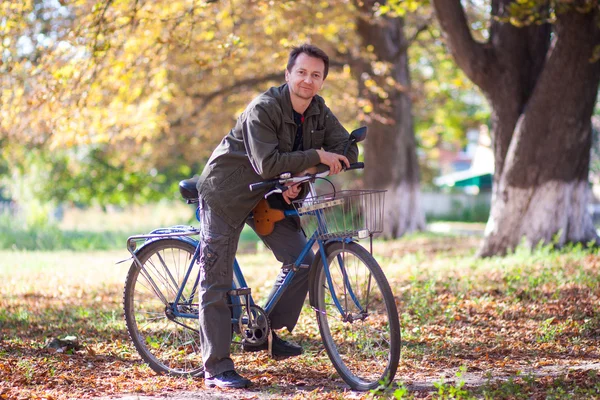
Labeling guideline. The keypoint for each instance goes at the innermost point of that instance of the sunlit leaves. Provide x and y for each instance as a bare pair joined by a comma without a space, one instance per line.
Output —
399,8
526,12
158,83
124,55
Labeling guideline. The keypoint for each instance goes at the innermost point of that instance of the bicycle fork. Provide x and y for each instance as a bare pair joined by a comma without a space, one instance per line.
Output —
347,316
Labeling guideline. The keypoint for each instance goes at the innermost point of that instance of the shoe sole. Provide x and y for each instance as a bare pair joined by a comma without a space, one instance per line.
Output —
213,385
284,355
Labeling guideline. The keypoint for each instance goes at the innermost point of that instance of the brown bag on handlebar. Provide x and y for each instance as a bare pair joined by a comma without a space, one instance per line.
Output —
265,217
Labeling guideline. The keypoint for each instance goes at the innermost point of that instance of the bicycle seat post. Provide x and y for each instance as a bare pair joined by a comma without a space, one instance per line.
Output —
245,292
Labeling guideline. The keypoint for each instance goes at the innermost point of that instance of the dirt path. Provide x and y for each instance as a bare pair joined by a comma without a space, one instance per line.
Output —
418,388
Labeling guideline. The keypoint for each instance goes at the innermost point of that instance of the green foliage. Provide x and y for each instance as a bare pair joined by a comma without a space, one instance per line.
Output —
44,235
102,231
119,109
397,391
549,331
445,103
456,391
478,212
510,389
527,12
88,176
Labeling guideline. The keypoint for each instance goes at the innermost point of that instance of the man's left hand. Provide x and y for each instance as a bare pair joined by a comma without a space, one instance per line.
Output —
292,192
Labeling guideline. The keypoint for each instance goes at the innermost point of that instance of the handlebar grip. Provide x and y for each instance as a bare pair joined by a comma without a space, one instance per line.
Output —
262,185
356,165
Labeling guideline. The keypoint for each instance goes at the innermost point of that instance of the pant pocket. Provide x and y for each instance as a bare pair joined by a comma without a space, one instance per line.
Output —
214,255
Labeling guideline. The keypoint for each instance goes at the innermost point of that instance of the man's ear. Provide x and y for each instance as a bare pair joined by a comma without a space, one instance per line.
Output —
287,75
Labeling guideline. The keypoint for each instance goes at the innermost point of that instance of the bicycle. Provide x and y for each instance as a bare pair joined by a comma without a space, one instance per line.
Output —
352,299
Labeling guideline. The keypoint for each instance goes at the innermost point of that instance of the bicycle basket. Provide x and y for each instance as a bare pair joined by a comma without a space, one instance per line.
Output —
346,213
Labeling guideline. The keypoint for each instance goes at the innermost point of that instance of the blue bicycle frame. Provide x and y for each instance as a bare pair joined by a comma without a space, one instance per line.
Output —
184,234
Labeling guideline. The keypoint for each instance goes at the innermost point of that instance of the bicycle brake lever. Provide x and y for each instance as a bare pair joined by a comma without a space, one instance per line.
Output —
279,188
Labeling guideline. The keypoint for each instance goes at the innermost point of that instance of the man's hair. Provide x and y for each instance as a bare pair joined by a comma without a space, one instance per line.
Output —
310,50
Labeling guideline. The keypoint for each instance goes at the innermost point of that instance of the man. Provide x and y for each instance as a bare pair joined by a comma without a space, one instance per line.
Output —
286,129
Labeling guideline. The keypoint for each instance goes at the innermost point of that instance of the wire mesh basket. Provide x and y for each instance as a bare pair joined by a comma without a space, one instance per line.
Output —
346,213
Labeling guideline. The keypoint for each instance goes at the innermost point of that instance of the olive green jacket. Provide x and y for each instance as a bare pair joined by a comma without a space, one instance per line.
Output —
259,147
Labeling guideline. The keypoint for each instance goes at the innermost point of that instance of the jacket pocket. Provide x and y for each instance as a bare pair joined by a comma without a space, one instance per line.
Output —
317,137
232,178
285,141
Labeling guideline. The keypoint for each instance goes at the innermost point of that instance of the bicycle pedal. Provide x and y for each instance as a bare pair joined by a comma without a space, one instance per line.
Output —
294,268
239,291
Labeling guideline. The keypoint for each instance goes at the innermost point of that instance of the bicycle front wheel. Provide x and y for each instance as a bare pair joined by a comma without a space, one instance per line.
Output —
169,344
357,316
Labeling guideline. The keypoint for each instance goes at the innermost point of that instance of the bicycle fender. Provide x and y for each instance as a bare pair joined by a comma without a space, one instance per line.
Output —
186,239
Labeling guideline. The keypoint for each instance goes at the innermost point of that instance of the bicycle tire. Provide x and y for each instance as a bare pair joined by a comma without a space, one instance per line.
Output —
364,349
167,346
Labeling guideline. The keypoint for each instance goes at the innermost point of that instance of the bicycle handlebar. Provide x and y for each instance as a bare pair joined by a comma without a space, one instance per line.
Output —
356,165
264,184
287,178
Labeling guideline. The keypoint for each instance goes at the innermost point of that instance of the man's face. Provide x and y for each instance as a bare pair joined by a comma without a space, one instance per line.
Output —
306,77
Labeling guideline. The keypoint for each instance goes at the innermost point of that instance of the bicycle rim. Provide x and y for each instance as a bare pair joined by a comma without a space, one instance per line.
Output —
168,344
362,341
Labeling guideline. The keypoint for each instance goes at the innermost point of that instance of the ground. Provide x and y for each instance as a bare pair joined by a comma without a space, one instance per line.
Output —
525,326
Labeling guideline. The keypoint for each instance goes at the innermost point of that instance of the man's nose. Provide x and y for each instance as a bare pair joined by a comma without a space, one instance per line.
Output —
308,79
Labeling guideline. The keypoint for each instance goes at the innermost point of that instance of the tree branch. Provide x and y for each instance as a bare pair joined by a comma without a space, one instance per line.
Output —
237,85
470,55
247,83
404,47
244,83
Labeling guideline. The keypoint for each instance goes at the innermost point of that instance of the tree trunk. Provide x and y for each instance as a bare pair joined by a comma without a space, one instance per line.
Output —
542,95
542,191
390,148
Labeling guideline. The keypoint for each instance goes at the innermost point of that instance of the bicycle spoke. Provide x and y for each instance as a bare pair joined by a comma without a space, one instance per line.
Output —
362,339
167,342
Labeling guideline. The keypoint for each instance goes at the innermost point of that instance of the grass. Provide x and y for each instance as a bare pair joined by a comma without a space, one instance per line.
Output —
523,326
94,229
527,310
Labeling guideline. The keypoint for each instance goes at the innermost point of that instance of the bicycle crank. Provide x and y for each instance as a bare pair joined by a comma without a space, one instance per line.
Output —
255,326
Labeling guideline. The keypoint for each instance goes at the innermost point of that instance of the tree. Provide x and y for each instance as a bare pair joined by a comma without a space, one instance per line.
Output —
538,71
139,89
391,152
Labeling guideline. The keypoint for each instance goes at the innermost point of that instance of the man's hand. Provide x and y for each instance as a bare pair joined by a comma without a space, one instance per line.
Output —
333,161
308,171
291,193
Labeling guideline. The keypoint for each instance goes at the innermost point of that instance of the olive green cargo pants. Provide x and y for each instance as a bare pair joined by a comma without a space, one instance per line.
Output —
219,243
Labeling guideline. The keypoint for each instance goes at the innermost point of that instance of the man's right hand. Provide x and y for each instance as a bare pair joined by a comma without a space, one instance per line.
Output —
333,161
308,171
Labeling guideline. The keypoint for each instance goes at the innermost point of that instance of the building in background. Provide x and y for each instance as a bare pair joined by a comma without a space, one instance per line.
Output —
472,169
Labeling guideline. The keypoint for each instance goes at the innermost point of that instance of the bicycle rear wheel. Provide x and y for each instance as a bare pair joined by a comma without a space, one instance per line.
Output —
361,334
167,343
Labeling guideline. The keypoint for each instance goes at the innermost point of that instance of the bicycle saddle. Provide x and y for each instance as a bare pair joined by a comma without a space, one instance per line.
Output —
188,190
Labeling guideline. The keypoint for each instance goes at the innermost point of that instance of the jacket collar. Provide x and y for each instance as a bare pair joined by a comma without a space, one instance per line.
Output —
286,104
